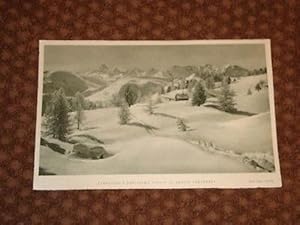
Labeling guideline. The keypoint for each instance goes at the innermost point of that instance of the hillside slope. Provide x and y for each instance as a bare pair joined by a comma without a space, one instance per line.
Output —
66,80
258,101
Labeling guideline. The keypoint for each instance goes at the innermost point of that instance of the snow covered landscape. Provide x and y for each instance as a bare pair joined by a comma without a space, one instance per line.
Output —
189,119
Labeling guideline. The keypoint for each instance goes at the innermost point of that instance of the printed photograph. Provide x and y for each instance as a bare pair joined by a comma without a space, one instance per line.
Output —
155,109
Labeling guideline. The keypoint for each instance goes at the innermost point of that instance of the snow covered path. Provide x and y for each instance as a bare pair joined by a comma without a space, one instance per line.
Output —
145,156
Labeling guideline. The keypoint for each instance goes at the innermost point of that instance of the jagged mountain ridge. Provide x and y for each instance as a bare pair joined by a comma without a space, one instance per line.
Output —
174,72
102,77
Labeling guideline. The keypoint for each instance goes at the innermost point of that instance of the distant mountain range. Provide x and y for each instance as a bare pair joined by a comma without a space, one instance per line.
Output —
102,77
174,72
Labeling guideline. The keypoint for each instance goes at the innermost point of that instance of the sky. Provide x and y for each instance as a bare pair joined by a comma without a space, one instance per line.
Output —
84,58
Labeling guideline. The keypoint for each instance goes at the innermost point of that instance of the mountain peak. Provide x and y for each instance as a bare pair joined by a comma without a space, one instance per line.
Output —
103,68
116,71
235,70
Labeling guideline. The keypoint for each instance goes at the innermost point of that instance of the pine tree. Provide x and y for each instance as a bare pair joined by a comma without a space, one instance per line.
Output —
181,125
249,91
226,98
228,80
150,107
210,83
130,94
57,117
162,90
169,89
258,87
191,85
124,113
199,96
79,104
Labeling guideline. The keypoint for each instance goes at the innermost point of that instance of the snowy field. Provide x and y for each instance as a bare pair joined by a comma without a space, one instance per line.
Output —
153,143
258,101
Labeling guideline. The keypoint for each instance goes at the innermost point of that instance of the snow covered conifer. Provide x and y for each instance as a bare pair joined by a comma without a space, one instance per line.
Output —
79,109
226,98
181,125
130,93
249,92
199,95
124,113
57,117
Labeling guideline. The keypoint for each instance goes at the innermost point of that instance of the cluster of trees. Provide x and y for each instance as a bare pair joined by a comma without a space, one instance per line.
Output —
225,99
260,85
225,96
209,83
57,117
258,71
58,120
88,105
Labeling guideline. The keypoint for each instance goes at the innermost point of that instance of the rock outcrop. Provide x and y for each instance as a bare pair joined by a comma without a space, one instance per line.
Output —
89,152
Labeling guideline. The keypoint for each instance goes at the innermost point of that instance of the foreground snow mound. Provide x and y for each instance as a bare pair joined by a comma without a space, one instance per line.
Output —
57,145
251,121
249,134
146,156
89,151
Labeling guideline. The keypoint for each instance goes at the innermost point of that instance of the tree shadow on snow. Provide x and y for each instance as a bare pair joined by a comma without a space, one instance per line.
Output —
238,112
52,146
90,128
191,129
166,115
88,136
148,128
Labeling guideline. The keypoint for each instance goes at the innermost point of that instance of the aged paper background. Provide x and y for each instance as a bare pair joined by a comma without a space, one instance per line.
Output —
24,23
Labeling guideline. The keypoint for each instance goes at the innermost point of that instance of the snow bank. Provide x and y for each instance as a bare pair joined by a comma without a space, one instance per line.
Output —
251,121
57,145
